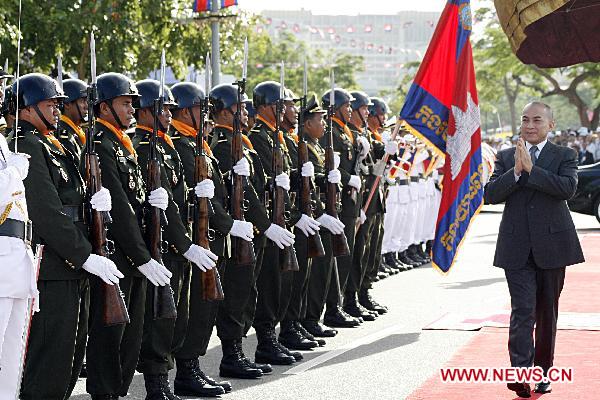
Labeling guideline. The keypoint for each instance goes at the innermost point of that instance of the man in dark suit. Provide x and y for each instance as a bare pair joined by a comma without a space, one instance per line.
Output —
537,237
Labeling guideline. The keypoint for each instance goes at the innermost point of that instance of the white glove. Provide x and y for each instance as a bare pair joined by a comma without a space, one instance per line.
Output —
354,182
242,230
103,268
156,273
334,176
364,146
307,225
242,167
20,162
363,216
159,198
101,200
336,160
332,224
308,169
203,258
280,236
206,189
283,181
391,147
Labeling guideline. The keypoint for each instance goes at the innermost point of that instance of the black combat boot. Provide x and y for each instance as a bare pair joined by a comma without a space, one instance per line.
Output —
352,307
422,253
317,329
293,339
307,334
338,318
234,364
365,300
189,381
154,387
268,349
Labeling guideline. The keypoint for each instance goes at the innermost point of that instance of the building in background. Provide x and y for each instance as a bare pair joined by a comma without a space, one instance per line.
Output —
385,41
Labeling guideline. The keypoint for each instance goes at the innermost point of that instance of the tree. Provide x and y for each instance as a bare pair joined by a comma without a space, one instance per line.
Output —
129,35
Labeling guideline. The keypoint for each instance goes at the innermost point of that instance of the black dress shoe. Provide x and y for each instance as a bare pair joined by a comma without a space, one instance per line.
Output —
318,330
269,350
543,387
291,338
365,300
339,319
522,389
190,381
308,335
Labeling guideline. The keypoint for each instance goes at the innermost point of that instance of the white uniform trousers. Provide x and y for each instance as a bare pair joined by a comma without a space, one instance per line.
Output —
13,322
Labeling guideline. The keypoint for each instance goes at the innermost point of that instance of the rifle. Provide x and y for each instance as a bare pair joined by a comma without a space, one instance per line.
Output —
339,242
114,309
315,245
288,262
242,250
211,283
164,304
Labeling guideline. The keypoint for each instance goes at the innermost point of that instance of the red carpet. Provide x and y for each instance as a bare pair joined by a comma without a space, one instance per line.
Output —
579,350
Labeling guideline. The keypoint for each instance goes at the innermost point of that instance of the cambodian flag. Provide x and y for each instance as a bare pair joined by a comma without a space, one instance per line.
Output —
206,5
442,108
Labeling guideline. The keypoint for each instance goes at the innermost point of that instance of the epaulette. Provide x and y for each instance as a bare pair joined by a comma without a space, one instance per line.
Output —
143,143
97,141
175,137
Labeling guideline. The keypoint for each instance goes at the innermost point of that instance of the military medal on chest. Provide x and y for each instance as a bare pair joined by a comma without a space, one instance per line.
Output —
131,182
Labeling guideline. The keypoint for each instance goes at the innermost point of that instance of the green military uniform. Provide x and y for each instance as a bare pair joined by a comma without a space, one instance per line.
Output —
112,352
159,340
55,194
69,138
347,147
368,232
274,286
321,269
202,313
236,312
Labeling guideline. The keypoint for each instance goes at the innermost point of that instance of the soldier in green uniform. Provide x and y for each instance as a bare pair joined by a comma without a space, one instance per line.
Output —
274,285
293,335
321,269
73,116
376,125
251,116
157,343
347,146
113,351
236,312
55,194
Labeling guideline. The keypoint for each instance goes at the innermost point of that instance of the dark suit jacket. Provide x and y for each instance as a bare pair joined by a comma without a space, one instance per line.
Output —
536,218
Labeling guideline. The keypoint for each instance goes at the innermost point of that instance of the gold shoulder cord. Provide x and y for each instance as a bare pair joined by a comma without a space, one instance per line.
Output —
314,151
5,213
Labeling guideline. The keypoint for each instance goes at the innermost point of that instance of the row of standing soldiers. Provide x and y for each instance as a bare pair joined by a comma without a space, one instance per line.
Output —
71,325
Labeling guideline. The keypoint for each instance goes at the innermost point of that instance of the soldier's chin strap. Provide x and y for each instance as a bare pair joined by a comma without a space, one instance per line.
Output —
79,112
194,122
115,116
49,126
160,125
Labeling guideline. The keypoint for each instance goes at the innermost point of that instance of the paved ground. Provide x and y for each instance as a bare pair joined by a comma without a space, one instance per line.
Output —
391,357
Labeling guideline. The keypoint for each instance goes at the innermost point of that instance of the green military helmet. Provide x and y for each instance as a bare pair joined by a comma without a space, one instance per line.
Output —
379,107
187,94
340,97
360,99
223,97
74,89
266,93
149,90
112,85
34,88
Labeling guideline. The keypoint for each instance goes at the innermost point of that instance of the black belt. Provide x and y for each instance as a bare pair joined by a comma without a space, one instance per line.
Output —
17,229
403,182
73,212
414,179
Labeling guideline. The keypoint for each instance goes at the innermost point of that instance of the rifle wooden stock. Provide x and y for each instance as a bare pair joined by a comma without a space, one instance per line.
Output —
288,259
315,245
339,242
242,250
163,303
114,311
211,284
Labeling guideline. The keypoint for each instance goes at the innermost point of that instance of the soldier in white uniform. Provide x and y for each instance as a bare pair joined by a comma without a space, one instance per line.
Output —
17,273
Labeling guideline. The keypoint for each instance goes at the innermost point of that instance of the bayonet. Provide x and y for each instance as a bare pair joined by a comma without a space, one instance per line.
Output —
59,72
